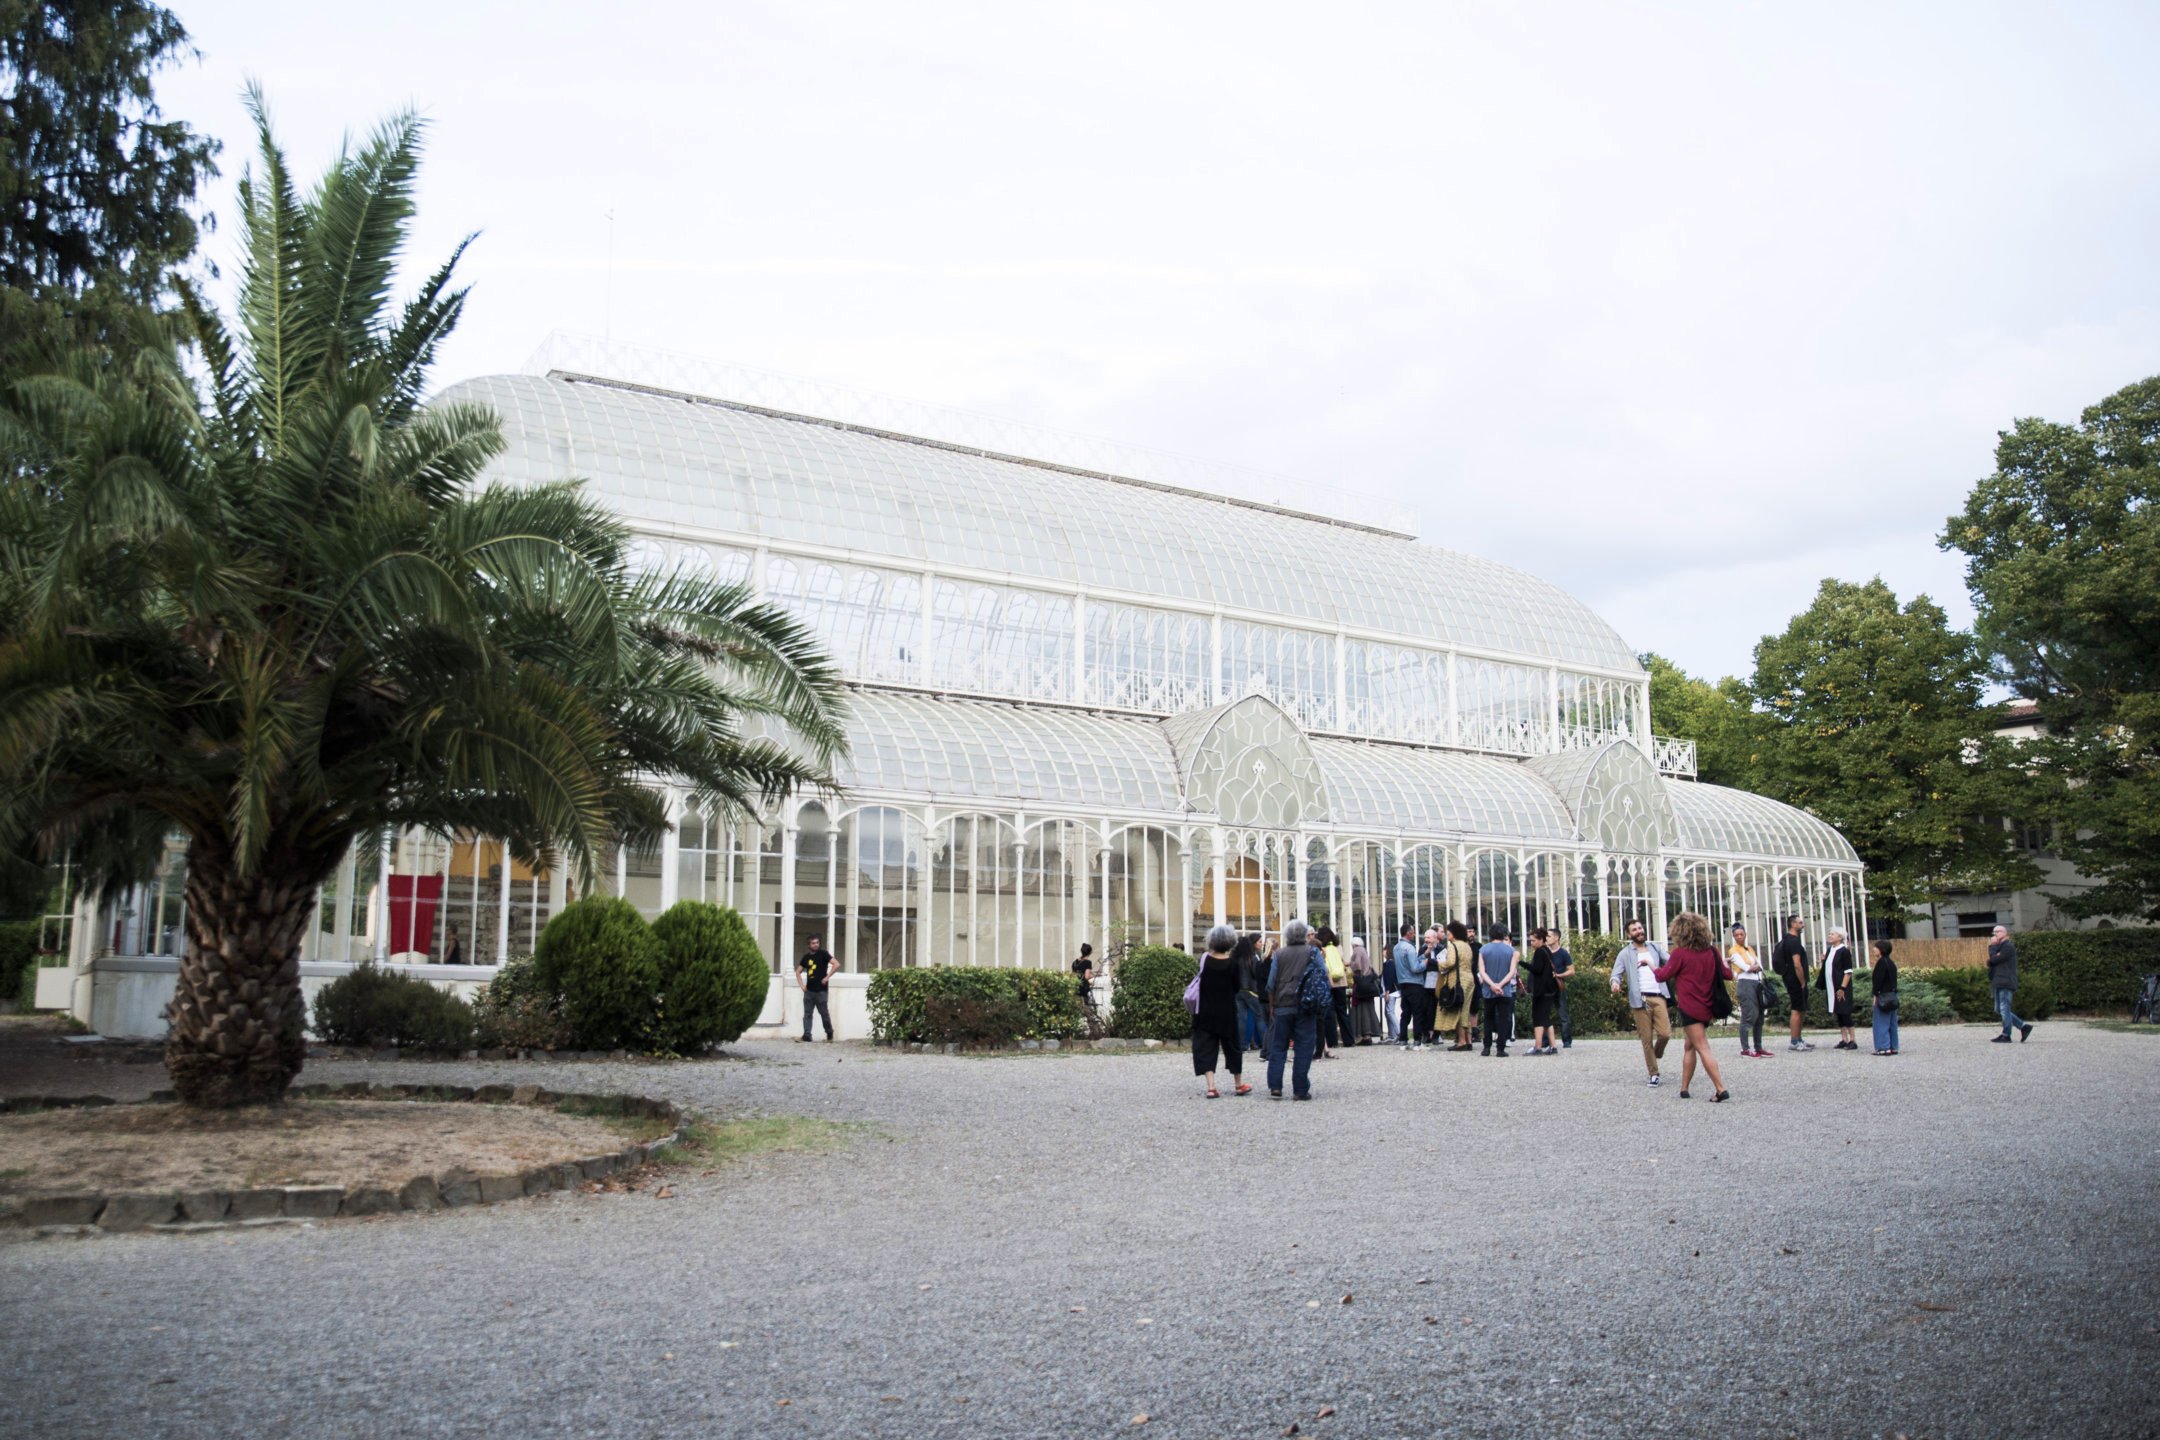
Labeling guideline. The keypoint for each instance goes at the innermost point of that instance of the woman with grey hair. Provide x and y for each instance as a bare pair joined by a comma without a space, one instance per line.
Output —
1838,967
1215,1022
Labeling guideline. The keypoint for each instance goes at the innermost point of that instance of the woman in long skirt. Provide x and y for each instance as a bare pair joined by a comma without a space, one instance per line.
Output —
1364,995
1215,1024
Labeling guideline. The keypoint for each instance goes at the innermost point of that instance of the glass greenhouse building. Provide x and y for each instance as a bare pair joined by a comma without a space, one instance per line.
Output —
1086,708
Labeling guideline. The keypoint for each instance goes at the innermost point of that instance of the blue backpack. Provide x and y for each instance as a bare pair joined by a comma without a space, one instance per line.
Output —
1312,990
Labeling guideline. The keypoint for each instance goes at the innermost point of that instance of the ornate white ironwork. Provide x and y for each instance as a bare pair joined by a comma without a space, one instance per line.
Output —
1674,756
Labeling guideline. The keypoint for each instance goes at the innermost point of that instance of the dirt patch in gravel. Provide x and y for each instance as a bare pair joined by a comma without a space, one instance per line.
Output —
303,1142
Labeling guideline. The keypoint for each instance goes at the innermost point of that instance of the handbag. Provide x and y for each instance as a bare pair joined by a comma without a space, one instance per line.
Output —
1192,992
1720,999
1451,994
1886,1002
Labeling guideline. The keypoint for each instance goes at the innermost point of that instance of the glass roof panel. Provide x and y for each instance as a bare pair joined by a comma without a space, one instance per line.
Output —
1439,793
659,460
1718,821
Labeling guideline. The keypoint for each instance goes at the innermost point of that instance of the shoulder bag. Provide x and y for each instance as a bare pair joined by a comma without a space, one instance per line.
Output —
1451,993
1720,998
1192,991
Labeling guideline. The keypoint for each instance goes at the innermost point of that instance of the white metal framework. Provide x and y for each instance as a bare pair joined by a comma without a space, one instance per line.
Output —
1087,708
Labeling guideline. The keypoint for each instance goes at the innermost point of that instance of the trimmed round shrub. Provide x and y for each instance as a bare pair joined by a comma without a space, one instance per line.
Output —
599,958
902,1002
1147,994
376,1006
517,1012
713,977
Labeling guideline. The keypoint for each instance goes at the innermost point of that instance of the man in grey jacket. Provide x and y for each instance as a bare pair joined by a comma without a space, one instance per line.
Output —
1646,994
2002,974
1295,1023
1410,982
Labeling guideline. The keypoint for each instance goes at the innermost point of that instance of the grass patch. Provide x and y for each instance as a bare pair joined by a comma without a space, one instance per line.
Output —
2122,1027
718,1142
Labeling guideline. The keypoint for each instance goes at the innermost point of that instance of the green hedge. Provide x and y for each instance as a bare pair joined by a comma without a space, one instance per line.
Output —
1973,999
377,1006
1043,1004
599,956
2092,970
1147,994
713,977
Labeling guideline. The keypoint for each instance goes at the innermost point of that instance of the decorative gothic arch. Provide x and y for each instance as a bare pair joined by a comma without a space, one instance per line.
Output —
1615,796
1249,763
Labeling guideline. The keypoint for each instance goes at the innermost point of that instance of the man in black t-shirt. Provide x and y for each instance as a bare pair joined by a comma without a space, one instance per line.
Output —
1563,965
1790,963
813,976
1084,971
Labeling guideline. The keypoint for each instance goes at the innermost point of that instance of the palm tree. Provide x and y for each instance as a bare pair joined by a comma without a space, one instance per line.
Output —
254,595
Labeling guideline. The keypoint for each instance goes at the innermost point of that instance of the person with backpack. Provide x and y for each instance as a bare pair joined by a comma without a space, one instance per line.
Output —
1297,993
1214,1011
1635,969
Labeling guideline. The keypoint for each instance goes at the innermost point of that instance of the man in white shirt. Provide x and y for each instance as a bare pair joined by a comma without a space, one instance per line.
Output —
1635,966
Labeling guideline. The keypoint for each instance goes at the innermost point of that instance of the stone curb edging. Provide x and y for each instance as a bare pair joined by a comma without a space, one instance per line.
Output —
921,1047
187,1210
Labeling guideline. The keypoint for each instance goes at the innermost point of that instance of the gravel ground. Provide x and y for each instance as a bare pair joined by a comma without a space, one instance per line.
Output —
1956,1242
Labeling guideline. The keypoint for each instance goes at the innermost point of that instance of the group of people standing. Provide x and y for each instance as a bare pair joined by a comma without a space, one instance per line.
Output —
1308,998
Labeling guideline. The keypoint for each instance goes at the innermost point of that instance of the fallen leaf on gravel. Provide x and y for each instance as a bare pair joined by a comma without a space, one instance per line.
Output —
1931,1305
787,1402
1291,1428
727,1344
1141,1418
1145,1320
665,1192
1346,1299
890,1399
1430,1320
1786,1250
924,1286
1426,1281
1312,1304
667,1355
1325,1411
1077,1309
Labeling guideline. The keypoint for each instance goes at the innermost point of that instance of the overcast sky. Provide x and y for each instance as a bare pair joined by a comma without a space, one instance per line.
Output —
1683,307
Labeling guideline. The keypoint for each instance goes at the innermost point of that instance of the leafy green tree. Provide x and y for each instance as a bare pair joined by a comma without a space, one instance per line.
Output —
97,187
261,602
1876,725
1720,718
2062,547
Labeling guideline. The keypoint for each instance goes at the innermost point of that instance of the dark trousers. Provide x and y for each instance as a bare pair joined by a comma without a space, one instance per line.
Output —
813,1003
1292,1029
1252,1027
1206,1045
1499,1021
1416,1014
1567,1026
1345,1033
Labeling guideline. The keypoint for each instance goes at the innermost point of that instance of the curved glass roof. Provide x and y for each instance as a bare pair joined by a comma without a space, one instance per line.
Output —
981,751
665,461
1718,821
1439,792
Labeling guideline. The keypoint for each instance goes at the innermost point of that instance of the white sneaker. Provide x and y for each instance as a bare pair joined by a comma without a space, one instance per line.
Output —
1653,1082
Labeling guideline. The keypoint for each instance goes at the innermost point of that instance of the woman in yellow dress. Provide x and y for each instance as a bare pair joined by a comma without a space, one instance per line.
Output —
1458,982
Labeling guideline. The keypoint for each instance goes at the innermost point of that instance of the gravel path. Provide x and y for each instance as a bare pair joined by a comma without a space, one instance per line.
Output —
1957,1242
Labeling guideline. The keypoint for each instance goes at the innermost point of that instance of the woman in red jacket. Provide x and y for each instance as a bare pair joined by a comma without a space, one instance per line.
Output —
1692,970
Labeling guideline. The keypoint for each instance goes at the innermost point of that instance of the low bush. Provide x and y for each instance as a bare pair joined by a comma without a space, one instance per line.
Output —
377,1006
599,958
901,1001
1593,1009
975,1020
517,1012
1147,994
1922,1003
713,977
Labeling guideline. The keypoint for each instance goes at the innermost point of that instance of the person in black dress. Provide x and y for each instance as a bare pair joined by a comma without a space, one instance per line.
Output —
1215,1024
1544,994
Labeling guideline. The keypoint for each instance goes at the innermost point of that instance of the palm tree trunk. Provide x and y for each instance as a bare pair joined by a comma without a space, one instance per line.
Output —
237,1016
